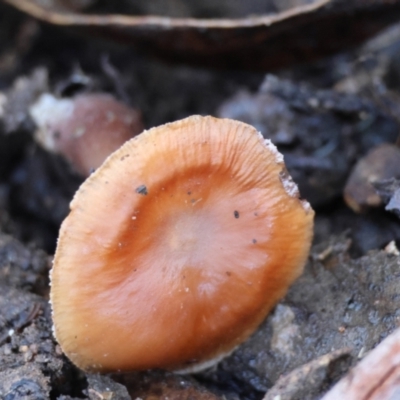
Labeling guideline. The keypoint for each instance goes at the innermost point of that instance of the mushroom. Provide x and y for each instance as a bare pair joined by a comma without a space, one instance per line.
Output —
176,248
85,129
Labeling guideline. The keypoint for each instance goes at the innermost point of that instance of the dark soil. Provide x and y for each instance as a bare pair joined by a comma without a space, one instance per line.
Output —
324,116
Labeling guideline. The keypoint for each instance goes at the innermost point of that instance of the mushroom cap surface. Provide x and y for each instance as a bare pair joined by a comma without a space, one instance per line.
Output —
177,247
85,129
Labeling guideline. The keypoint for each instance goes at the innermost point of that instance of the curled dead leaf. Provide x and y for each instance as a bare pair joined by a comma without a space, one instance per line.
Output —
302,31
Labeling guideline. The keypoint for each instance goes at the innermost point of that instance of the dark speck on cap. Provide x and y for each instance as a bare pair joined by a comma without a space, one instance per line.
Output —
142,189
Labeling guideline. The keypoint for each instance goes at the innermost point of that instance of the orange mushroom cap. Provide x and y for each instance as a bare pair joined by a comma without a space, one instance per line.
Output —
177,247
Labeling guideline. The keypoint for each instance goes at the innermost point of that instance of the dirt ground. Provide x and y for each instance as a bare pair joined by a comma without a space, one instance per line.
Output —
324,115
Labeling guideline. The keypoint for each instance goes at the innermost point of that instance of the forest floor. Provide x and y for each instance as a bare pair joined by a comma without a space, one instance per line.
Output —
324,116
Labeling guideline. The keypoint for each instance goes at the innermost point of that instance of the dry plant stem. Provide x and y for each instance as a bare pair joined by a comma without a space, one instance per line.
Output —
260,42
59,16
377,377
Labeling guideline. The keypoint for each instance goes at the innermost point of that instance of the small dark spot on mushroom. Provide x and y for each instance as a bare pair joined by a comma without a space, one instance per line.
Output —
256,214
106,182
228,273
236,214
189,193
123,157
142,189
56,135
254,241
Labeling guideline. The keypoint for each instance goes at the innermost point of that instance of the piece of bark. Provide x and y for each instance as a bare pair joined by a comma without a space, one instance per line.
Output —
376,377
382,162
306,381
389,191
102,387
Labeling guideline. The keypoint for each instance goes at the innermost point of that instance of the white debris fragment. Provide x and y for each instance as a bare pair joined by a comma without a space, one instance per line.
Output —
306,205
47,112
3,102
391,248
272,148
288,184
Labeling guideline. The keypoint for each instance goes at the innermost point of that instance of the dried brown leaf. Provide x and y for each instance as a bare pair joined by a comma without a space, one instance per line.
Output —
298,33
